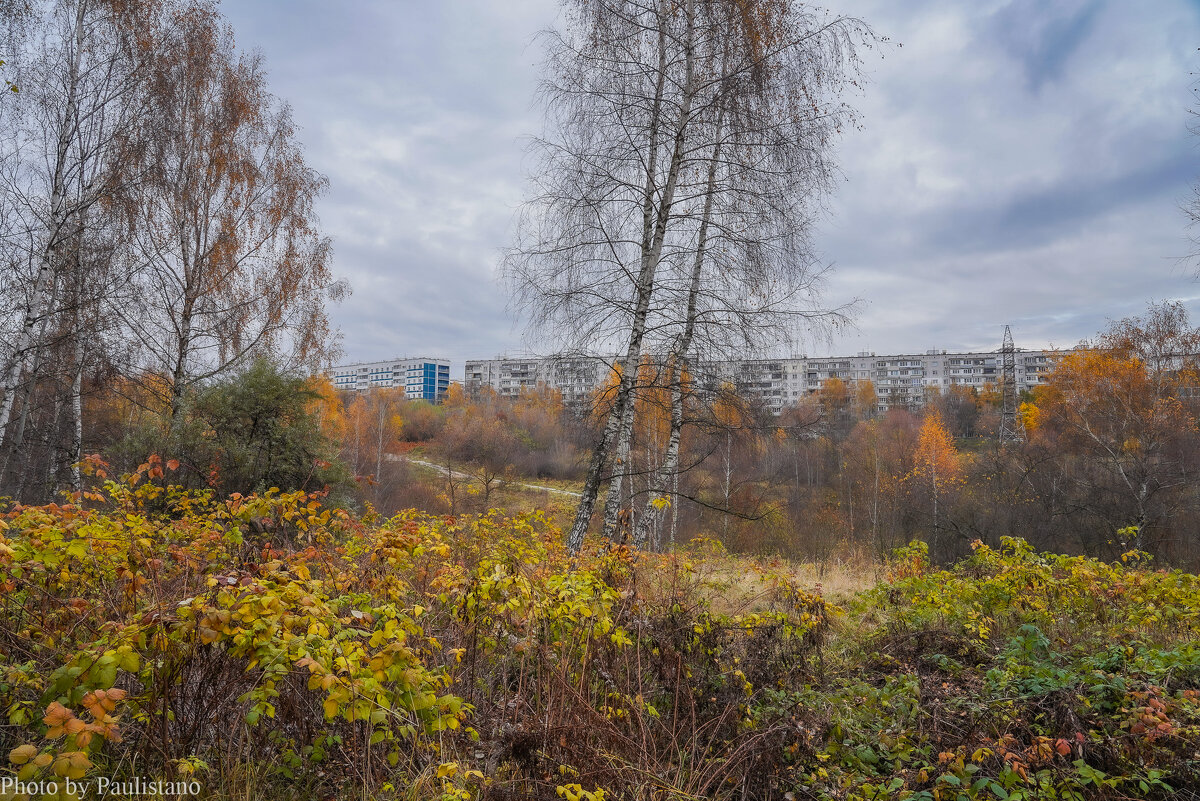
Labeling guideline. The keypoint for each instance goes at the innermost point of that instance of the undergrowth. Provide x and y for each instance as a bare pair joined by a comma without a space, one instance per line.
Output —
270,647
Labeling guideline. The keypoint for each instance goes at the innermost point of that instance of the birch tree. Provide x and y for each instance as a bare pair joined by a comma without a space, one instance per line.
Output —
1122,421
937,473
676,129
234,264
65,170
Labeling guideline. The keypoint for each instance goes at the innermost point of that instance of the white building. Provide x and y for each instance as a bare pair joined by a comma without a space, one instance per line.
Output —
904,379
420,377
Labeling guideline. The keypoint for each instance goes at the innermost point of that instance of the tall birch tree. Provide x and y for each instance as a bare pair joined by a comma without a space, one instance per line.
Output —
644,100
66,165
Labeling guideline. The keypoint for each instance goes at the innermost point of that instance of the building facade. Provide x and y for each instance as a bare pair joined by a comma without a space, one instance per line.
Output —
421,378
899,380
906,379
574,377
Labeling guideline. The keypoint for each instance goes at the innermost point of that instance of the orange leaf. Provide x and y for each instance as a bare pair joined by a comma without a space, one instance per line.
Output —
56,714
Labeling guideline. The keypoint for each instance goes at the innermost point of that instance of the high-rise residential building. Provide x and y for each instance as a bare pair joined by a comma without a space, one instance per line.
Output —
898,380
777,383
420,377
904,379
575,377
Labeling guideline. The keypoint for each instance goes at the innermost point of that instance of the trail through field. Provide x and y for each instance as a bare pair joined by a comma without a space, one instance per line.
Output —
467,476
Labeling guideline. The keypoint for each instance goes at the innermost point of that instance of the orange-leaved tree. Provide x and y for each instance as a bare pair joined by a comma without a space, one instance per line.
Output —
1122,415
233,265
875,459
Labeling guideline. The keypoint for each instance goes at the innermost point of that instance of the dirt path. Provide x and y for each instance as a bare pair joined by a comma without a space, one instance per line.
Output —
468,477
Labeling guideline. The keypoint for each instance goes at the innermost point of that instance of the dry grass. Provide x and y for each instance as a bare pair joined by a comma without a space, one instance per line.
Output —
839,579
736,584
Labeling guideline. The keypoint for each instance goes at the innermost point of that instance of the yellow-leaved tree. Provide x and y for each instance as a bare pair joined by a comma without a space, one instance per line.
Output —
937,471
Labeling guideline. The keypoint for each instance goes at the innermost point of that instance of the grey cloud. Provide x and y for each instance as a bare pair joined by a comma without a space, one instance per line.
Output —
1042,36
1021,162
976,197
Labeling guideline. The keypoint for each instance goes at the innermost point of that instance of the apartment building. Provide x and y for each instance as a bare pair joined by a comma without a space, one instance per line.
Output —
575,377
904,379
778,383
899,380
420,377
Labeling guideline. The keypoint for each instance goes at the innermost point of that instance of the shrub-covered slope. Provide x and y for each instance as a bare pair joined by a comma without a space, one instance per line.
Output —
268,647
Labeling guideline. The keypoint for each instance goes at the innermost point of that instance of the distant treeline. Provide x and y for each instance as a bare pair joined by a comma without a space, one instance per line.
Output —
1108,463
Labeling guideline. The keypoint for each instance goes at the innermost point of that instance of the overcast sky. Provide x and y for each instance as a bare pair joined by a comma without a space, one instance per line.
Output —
1021,162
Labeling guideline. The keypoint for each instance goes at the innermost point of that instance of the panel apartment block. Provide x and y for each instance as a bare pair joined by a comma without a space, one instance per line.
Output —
575,377
421,378
899,380
904,379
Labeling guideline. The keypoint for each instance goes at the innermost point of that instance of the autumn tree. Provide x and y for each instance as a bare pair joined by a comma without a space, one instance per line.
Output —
875,459
667,121
731,428
1121,415
1163,339
962,407
373,422
936,474
326,405
545,433
421,421
866,400
836,399
479,441
65,170
233,264
158,218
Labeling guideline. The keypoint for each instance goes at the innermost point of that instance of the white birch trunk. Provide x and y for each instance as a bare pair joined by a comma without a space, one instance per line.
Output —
670,464
75,444
37,305
620,472
651,253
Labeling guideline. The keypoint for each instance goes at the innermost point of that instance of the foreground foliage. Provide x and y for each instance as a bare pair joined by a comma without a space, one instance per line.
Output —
267,646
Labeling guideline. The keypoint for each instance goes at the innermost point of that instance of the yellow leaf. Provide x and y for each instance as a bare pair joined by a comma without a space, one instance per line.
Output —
72,765
22,754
